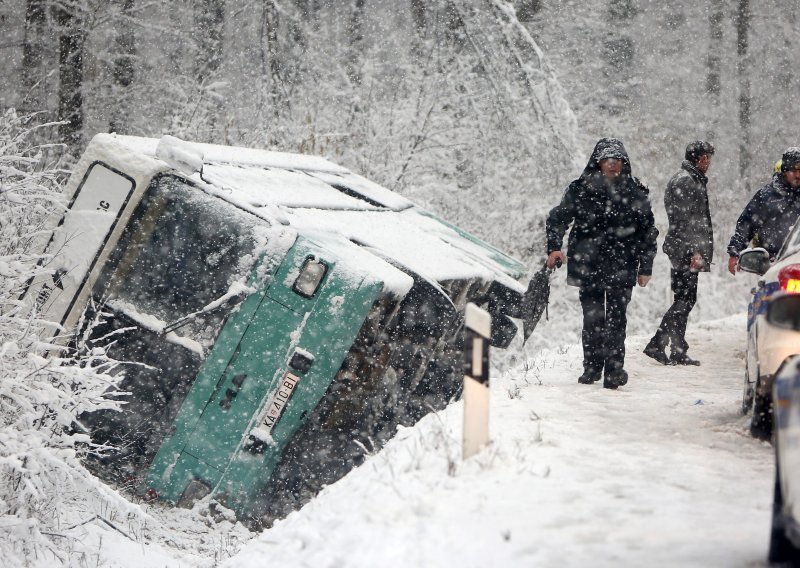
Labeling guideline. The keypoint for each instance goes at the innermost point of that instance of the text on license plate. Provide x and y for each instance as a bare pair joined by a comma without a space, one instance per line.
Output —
277,403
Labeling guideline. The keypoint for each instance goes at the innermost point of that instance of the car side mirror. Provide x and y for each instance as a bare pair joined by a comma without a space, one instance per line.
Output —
755,260
784,311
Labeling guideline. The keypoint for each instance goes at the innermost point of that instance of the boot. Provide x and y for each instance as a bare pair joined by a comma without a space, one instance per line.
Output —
589,376
683,359
615,378
655,352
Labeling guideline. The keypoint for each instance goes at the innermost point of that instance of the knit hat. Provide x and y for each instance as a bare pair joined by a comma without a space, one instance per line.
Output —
790,159
610,148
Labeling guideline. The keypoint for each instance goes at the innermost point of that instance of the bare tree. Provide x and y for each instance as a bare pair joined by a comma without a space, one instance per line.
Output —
742,27
713,84
305,13
32,53
70,18
419,16
123,71
270,55
619,51
527,9
455,31
209,25
355,34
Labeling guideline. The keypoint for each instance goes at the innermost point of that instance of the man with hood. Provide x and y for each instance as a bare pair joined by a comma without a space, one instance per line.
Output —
690,248
611,246
771,213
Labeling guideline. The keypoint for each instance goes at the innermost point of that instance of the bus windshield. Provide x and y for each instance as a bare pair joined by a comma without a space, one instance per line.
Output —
184,250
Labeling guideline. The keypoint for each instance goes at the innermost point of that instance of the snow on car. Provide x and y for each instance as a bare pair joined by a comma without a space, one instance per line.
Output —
272,315
768,346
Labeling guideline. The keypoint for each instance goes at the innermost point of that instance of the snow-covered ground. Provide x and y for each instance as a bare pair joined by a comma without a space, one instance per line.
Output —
661,472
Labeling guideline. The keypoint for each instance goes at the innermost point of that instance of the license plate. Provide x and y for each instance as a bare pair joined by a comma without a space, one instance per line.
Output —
278,400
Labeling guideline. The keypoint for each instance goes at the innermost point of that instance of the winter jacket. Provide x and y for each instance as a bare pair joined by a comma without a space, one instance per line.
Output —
613,235
768,217
690,232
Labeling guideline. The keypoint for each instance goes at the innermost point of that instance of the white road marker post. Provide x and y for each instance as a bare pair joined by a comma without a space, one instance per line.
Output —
478,328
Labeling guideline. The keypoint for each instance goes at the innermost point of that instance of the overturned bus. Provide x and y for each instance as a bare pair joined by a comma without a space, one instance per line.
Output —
273,316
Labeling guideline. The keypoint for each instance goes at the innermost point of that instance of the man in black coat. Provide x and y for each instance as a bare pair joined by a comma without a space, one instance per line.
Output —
611,246
771,213
690,248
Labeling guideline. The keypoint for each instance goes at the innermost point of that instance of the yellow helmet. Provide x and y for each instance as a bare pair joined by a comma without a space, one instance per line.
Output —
777,168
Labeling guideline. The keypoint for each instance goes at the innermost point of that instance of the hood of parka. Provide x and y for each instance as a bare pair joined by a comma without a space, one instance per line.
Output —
607,148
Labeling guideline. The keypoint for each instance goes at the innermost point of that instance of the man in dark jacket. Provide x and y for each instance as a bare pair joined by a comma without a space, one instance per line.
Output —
611,246
689,246
771,213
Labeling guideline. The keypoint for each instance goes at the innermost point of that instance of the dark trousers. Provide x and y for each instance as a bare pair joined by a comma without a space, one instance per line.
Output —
604,323
673,326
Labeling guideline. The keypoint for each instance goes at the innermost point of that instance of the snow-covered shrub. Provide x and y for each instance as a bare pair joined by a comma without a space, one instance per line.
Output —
44,488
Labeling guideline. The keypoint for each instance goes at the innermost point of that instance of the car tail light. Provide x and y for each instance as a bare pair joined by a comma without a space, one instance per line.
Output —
789,278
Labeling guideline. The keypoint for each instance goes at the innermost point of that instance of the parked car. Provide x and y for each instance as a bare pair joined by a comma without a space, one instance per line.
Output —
272,314
768,346
784,313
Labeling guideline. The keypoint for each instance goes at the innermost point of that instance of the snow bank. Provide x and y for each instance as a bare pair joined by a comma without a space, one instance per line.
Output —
659,473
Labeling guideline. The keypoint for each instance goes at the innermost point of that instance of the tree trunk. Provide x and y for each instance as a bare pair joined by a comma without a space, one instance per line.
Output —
32,55
313,13
454,25
419,17
123,72
209,26
270,55
713,85
303,19
527,9
355,34
71,42
742,28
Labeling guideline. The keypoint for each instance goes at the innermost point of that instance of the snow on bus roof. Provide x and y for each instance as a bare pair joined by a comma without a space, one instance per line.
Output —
404,237
318,197
239,155
409,237
364,193
274,186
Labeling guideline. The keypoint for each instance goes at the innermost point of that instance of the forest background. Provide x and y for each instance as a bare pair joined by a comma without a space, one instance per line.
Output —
480,110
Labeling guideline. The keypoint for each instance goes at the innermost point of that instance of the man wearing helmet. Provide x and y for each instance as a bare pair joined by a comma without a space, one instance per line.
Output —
690,246
772,211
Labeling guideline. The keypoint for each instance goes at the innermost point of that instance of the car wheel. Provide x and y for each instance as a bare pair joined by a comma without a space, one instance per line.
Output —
781,548
761,425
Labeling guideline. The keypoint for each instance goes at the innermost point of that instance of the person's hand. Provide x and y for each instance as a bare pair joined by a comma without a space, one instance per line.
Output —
555,256
732,268
697,262
643,279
